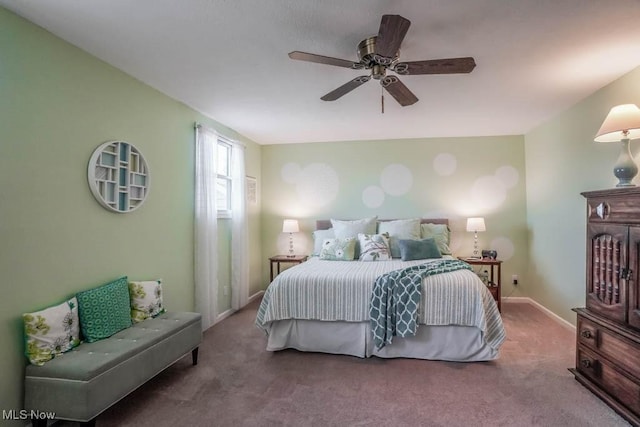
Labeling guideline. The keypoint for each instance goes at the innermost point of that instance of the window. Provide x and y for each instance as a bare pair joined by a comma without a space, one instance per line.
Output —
223,183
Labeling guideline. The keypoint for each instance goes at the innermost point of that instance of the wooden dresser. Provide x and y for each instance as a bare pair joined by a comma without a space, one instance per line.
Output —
608,328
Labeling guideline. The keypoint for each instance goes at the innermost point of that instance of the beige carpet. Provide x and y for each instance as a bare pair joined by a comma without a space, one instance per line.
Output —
238,383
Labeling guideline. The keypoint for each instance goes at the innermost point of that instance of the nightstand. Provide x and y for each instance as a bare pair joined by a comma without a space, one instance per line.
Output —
278,259
494,277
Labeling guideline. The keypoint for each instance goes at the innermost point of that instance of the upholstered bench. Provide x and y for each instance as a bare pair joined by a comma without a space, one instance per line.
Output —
87,380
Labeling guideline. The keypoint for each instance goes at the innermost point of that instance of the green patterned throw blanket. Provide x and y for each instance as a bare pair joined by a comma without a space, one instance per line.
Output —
396,297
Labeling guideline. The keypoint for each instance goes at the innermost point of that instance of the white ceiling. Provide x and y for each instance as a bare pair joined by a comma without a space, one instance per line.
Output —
228,59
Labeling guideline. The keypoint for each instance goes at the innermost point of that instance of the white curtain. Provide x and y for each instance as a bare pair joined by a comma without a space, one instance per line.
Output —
206,227
239,231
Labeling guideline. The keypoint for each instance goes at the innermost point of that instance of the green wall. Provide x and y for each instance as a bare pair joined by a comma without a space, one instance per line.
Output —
561,162
436,177
57,104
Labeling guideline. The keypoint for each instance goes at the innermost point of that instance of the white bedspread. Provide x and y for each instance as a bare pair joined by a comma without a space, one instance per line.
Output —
341,291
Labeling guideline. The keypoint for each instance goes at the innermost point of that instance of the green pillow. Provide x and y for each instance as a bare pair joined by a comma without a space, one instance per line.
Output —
399,229
441,234
338,249
50,332
104,310
418,249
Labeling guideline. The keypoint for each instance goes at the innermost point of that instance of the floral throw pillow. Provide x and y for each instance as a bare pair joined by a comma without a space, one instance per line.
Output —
146,299
51,332
374,247
338,249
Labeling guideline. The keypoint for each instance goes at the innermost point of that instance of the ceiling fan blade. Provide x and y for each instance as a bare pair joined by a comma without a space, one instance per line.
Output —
346,88
436,66
311,57
399,91
392,30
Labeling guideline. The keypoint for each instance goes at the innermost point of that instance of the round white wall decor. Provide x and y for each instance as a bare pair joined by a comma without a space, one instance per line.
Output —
118,176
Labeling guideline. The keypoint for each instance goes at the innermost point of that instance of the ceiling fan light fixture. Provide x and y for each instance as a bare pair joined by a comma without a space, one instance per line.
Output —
381,52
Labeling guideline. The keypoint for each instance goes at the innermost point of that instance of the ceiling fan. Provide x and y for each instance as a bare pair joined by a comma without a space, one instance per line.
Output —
380,54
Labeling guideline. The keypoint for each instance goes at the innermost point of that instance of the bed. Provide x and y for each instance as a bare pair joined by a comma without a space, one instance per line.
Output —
323,306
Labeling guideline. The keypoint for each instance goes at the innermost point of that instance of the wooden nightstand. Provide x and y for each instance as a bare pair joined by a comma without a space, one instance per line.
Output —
277,259
494,278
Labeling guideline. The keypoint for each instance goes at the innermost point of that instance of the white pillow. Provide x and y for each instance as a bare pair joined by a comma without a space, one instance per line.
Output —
51,332
374,247
346,229
146,299
400,229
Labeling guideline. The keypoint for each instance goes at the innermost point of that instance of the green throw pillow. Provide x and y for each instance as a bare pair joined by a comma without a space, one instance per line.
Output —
104,310
440,233
418,249
50,332
338,249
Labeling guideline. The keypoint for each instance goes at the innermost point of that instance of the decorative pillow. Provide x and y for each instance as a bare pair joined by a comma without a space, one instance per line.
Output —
146,299
418,249
104,310
345,229
440,233
50,332
374,247
338,249
319,237
400,229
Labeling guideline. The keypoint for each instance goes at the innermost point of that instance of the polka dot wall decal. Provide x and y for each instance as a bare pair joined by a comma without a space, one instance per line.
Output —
317,185
290,173
504,247
508,175
445,164
396,179
373,196
488,193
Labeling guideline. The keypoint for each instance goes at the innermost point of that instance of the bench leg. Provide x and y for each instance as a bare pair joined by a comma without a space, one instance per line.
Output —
194,356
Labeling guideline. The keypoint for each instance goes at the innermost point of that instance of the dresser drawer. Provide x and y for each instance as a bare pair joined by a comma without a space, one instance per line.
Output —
611,345
615,383
613,209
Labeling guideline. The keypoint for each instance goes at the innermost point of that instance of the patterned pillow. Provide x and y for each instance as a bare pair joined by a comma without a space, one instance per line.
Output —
418,249
318,238
338,249
146,299
50,332
440,233
399,229
374,247
104,310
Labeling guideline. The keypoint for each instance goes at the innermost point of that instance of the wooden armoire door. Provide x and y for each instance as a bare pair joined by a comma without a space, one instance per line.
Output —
634,277
607,255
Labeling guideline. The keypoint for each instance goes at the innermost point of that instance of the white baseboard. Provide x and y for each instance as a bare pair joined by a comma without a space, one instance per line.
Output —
256,295
230,311
545,310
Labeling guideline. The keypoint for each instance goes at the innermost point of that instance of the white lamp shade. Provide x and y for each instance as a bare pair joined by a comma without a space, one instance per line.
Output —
290,226
475,224
621,118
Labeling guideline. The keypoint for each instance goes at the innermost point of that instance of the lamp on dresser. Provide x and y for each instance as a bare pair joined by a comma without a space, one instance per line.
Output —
290,226
622,125
474,225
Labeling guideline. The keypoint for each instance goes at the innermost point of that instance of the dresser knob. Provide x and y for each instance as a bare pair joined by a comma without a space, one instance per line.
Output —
586,334
585,363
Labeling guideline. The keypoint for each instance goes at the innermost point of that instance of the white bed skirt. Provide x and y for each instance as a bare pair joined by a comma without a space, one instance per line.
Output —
451,343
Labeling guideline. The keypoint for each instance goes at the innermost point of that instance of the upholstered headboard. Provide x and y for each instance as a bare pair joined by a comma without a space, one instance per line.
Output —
325,224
